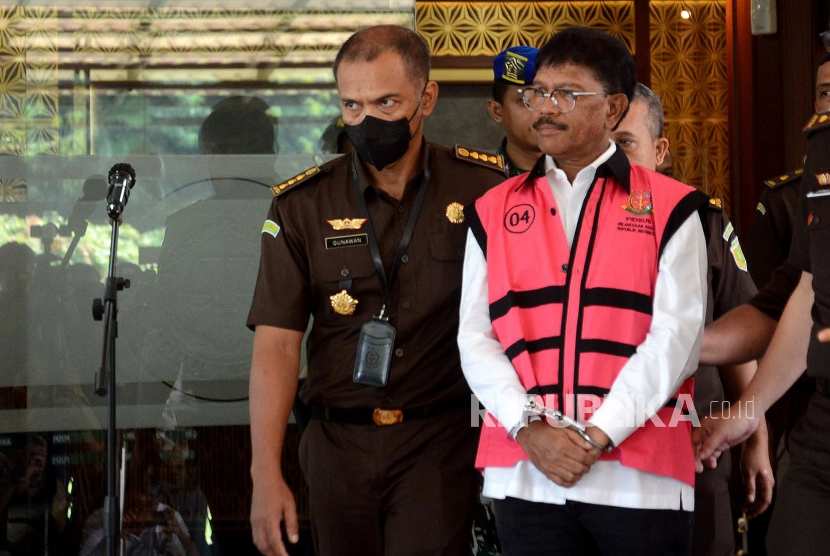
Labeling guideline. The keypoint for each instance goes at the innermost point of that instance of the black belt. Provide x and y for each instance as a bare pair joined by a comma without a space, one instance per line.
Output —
382,417
823,386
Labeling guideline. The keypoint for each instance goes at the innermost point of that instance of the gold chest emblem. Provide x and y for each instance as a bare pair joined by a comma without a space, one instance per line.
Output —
455,213
343,303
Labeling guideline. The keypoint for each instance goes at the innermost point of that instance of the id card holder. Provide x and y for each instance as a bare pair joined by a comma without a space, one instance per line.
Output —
374,353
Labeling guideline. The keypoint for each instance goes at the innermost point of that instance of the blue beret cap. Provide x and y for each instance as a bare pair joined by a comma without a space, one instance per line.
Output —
516,65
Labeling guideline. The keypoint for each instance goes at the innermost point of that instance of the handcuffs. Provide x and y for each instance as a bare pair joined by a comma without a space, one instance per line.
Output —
533,408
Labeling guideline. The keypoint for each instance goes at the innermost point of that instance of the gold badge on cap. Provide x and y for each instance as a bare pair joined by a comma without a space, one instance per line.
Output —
455,213
343,303
347,223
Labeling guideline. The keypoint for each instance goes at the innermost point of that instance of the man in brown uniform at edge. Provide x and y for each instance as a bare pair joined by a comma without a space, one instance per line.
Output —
768,247
802,508
640,136
389,468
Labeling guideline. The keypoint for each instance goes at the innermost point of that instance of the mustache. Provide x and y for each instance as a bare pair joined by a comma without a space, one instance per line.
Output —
548,120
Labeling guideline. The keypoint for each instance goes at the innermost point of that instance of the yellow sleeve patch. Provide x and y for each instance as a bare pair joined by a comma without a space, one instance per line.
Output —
738,254
270,227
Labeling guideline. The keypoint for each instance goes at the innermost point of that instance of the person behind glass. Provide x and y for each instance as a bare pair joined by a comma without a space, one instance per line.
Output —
388,455
567,300
802,507
513,68
640,136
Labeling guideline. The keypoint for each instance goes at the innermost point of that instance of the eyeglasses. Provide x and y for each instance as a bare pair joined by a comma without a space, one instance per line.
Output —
563,99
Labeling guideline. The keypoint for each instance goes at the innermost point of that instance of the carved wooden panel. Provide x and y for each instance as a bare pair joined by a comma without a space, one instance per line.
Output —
689,72
487,28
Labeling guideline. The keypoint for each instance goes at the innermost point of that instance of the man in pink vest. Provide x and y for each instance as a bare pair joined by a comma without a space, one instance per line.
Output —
584,291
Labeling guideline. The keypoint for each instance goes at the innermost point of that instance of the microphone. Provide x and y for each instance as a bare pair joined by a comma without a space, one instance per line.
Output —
121,180
95,189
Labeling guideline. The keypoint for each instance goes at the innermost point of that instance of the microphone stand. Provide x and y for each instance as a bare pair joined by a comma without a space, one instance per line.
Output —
105,383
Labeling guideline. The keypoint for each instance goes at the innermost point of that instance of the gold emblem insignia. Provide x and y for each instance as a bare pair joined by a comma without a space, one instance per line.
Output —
463,152
639,203
455,213
343,303
347,223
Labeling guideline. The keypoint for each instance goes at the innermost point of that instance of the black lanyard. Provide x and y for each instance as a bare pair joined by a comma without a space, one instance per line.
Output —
407,233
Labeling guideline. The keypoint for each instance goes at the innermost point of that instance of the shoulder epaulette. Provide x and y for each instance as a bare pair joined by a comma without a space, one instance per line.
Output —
772,183
291,183
715,203
817,122
490,160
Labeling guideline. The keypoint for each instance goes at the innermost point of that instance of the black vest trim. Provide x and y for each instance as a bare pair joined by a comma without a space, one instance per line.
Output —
533,346
619,299
607,347
695,201
526,300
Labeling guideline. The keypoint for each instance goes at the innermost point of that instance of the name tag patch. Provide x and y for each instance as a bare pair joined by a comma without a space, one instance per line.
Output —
346,241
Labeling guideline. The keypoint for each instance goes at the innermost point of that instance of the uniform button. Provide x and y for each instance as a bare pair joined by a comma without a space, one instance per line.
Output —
406,305
344,272
399,352
400,209
564,268
553,212
816,220
405,259
388,399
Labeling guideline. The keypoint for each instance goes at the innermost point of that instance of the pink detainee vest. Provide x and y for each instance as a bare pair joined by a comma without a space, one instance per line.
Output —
570,319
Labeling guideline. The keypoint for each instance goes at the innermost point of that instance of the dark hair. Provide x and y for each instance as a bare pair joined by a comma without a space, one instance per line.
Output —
499,90
824,59
655,116
606,56
369,43
238,125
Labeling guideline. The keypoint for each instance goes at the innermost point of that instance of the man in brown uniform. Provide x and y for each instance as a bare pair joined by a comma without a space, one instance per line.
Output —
388,455
514,68
744,333
802,510
640,135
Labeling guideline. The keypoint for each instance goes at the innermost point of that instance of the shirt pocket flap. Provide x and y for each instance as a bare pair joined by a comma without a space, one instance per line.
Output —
349,263
448,246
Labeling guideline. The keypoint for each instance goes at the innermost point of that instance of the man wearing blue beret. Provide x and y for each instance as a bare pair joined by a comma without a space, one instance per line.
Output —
513,69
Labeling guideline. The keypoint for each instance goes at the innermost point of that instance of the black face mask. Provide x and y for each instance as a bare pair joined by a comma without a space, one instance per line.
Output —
380,142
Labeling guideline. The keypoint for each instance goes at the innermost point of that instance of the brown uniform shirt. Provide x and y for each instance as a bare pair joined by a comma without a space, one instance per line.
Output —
305,260
729,285
772,228
810,250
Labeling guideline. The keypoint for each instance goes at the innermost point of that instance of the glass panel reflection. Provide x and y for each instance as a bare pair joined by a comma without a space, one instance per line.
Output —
211,107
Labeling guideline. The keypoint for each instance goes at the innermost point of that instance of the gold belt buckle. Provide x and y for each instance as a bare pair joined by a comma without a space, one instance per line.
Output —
383,417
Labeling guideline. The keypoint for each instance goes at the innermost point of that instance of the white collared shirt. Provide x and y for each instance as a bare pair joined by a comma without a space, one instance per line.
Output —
668,356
